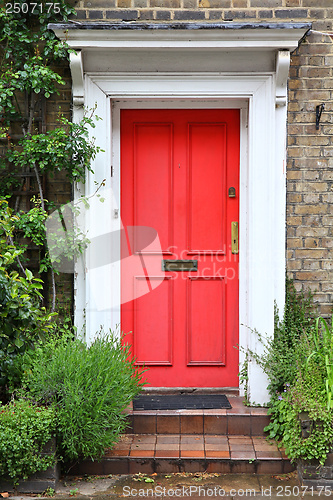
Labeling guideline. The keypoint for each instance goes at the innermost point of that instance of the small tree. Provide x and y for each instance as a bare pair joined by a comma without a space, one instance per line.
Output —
29,57
31,61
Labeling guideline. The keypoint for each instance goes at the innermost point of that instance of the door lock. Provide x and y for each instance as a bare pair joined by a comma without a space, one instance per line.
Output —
234,237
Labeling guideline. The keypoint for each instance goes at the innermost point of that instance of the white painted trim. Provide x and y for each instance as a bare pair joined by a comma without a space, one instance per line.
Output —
262,261
75,60
257,87
282,72
207,39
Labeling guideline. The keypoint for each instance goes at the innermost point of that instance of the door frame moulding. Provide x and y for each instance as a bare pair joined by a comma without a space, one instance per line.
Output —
261,96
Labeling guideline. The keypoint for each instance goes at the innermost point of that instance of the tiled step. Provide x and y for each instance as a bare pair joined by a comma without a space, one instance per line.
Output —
239,420
170,453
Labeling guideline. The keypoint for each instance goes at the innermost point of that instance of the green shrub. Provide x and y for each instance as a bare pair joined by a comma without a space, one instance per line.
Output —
24,430
23,320
280,361
89,387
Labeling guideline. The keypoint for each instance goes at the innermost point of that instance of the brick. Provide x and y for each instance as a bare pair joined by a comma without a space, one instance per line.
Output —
294,265
307,275
167,4
124,15
294,221
147,15
215,14
80,14
124,4
327,198
188,15
216,4
239,14
293,3
95,14
294,197
310,265
311,231
317,3
266,3
190,4
327,264
265,14
319,253
295,151
311,242
317,14
140,4
310,209
239,4
96,4
295,242
164,15
291,14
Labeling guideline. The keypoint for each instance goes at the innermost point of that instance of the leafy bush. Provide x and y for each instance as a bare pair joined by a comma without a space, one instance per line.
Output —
89,387
24,430
23,320
279,359
303,384
306,396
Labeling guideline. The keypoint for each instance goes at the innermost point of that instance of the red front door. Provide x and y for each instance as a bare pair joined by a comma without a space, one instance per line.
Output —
177,170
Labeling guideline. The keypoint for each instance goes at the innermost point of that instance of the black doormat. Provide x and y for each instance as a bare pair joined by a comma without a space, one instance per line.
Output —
181,402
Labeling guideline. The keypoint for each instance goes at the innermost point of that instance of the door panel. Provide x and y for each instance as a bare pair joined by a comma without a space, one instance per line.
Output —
177,167
206,186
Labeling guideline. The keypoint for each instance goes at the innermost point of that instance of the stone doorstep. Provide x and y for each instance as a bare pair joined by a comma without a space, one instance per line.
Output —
167,466
188,453
238,420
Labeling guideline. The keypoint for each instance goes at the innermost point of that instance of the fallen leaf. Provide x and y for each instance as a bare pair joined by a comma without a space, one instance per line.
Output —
5,494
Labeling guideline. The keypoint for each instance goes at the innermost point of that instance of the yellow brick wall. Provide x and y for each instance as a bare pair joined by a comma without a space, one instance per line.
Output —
309,238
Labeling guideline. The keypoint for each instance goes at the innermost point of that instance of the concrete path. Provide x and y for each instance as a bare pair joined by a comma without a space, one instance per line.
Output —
196,486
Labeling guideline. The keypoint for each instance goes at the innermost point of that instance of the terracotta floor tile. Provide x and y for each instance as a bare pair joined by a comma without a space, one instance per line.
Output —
263,447
117,453
121,446
145,424
168,413
142,446
268,455
191,446
242,455
192,438
191,412
192,454
240,439
241,447
168,424
191,424
218,412
214,439
142,453
217,454
167,437
259,411
241,410
143,466
167,446
144,438
239,425
217,447
167,453
215,424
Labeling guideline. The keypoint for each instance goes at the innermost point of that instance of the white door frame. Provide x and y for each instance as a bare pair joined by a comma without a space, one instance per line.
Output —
261,96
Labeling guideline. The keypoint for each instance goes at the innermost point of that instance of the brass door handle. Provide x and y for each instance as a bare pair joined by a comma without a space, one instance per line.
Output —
234,237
